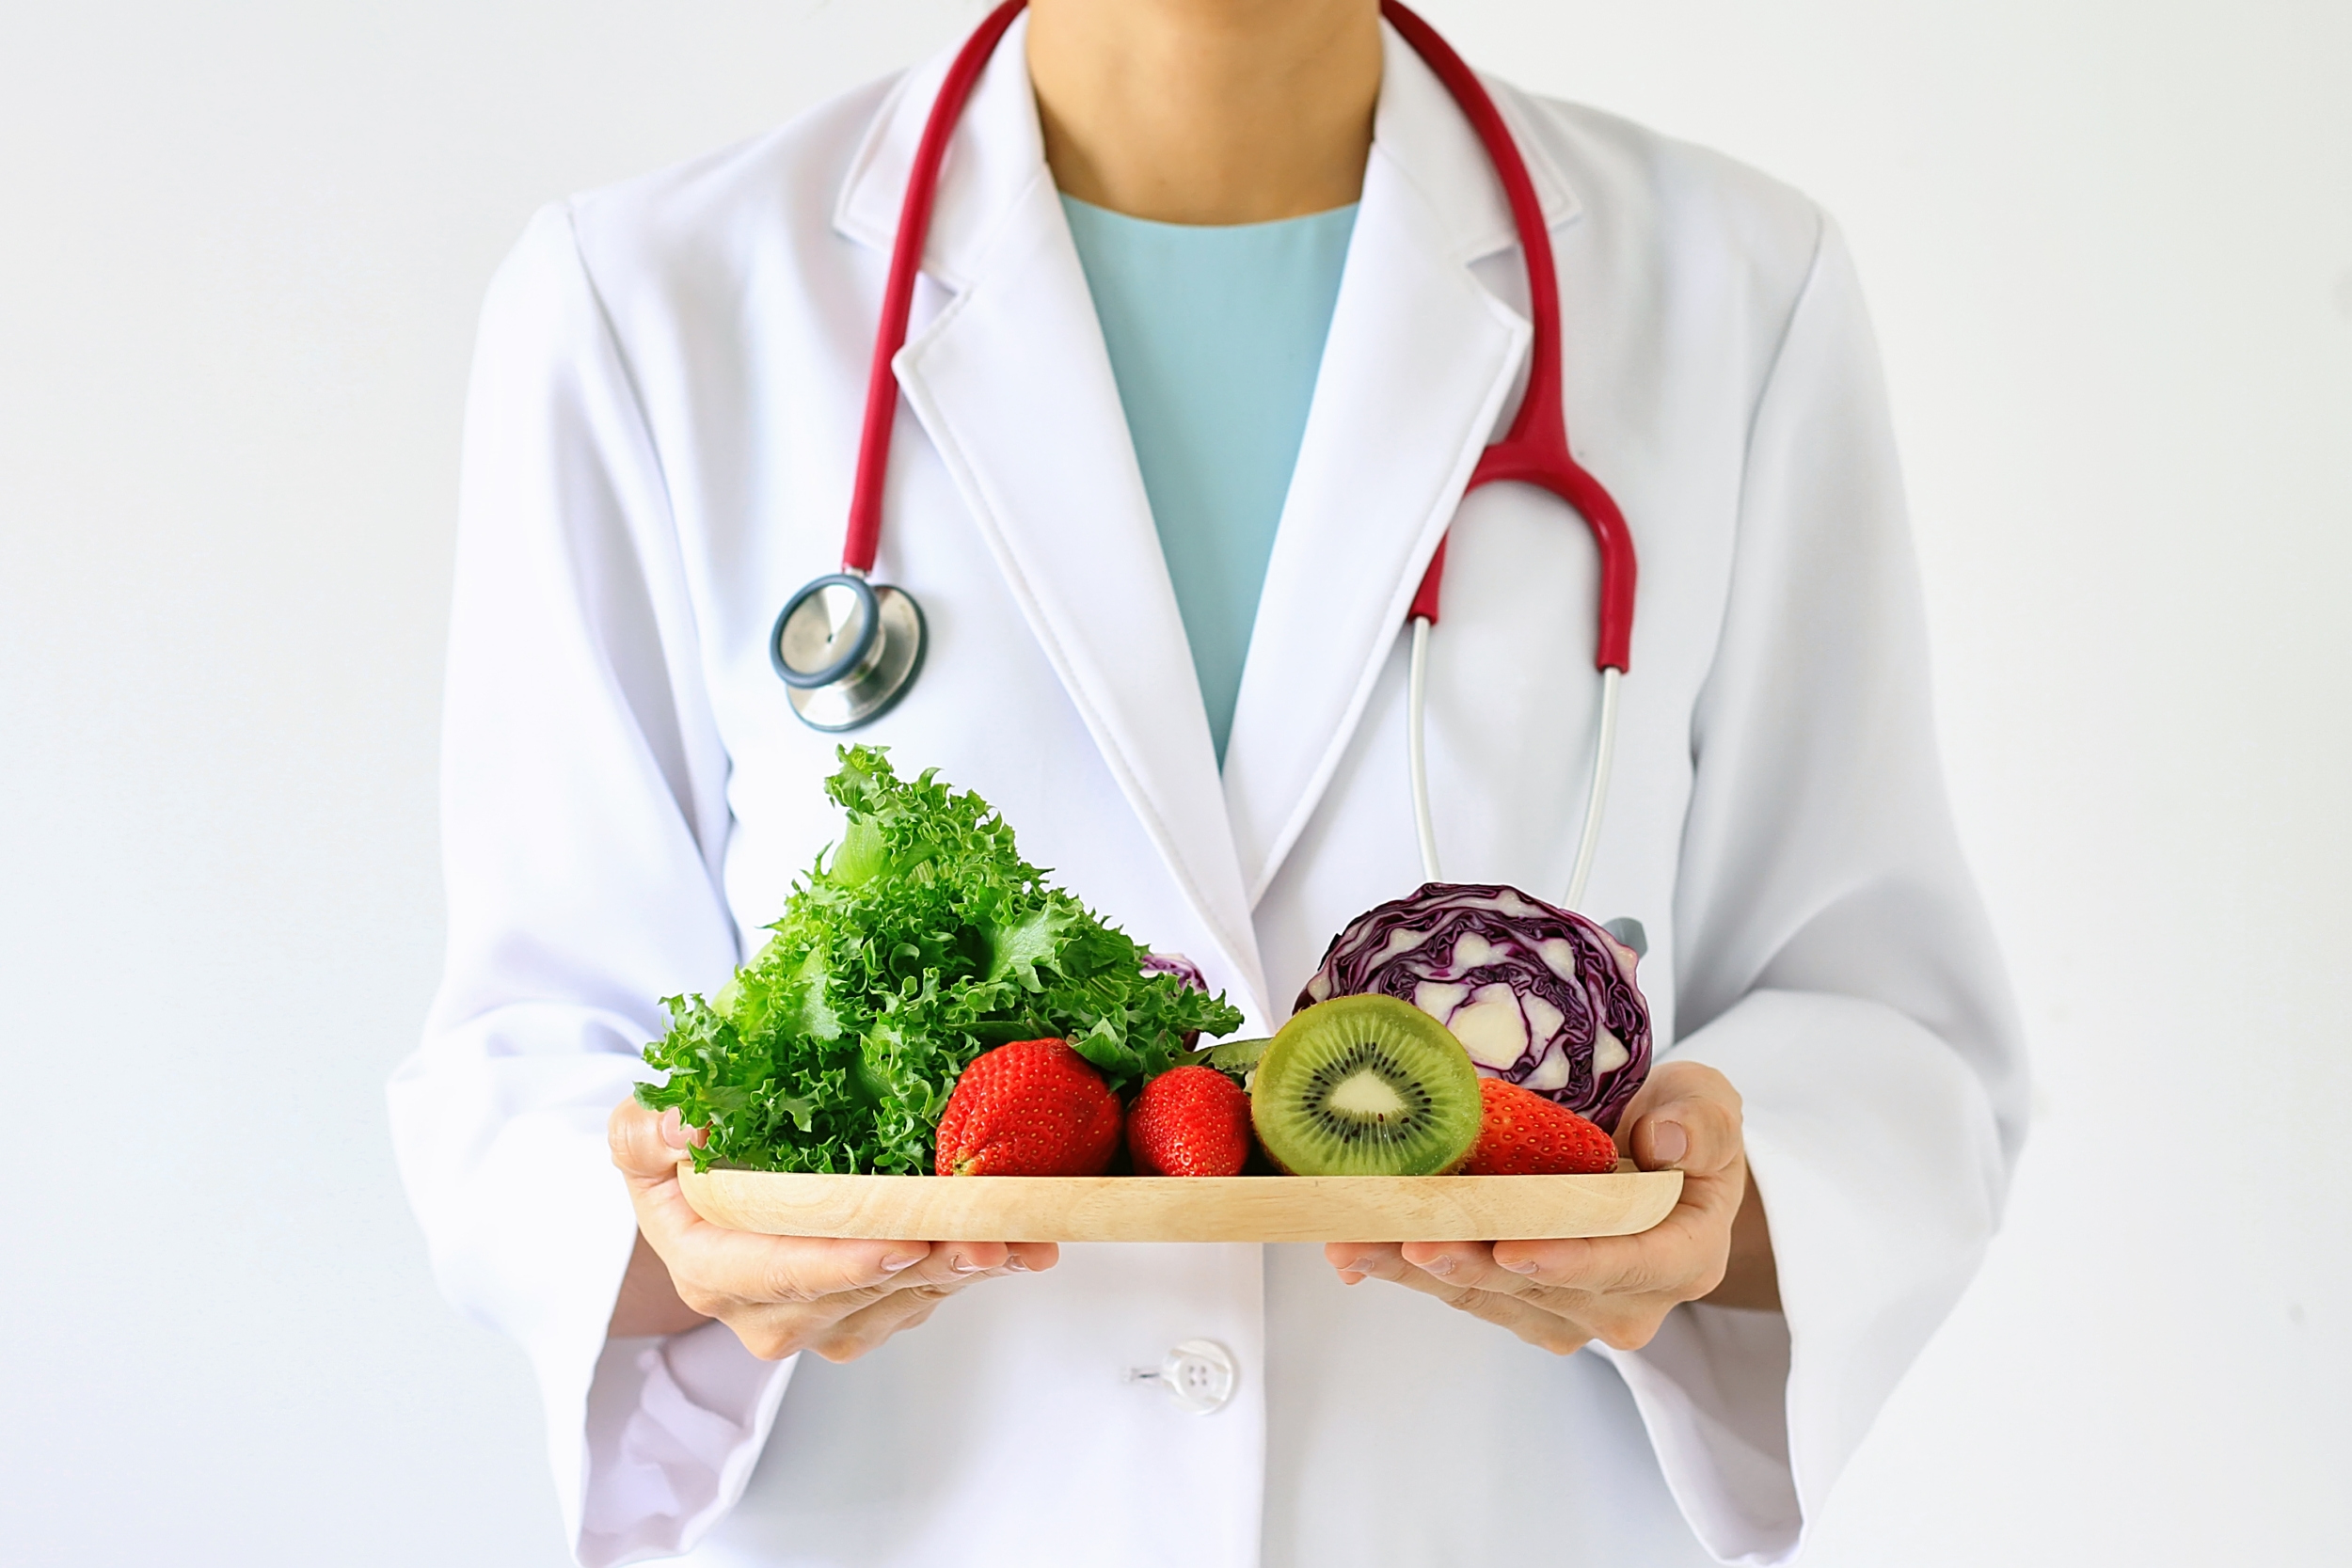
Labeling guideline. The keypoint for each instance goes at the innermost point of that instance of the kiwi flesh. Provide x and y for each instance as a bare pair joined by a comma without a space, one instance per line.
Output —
1365,1086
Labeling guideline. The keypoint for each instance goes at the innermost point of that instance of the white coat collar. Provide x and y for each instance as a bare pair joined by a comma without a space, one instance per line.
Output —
1012,384
998,148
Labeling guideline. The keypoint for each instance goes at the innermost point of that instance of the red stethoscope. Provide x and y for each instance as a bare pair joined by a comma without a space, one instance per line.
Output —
848,649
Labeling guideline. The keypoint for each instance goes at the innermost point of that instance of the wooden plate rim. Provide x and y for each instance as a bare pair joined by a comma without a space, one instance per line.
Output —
1186,1209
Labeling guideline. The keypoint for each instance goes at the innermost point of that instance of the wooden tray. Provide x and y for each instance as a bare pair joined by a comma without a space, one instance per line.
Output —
1185,1209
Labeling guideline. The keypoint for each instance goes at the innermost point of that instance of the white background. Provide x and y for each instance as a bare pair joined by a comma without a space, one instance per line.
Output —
2109,245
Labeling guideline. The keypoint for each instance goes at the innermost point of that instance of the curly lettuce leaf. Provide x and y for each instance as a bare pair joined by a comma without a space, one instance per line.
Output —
925,941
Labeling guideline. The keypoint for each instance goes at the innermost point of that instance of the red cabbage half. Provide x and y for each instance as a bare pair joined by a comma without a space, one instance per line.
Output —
1178,965
1537,995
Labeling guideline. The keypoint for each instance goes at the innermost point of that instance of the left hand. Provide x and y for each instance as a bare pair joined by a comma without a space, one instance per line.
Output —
1562,1294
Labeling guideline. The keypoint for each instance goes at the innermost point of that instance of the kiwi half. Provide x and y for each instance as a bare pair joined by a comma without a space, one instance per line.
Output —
1365,1086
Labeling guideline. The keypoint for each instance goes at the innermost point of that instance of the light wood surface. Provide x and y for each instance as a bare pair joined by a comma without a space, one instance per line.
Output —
1185,1209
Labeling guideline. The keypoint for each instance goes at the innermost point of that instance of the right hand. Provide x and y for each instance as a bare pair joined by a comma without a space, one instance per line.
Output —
784,1294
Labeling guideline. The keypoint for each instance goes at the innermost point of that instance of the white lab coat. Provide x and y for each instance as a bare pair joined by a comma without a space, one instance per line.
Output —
664,416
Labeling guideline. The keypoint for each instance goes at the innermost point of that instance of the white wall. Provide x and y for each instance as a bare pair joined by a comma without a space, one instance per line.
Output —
2111,248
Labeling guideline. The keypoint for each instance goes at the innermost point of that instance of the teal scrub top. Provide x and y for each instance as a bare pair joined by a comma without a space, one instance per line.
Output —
1214,335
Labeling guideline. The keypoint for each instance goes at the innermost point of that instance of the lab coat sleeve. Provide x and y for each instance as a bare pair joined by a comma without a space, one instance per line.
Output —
1833,961
583,817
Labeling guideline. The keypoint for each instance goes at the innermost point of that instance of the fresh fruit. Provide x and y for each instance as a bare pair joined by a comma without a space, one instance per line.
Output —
1522,1133
1031,1108
1365,1086
1189,1121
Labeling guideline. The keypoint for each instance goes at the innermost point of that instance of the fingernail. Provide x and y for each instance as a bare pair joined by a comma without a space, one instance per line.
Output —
893,1265
962,1265
1360,1267
1440,1265
672,1129
1519,1266
1668,1142
1017,1264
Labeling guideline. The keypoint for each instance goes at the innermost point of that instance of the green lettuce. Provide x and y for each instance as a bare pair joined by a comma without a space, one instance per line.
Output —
926,940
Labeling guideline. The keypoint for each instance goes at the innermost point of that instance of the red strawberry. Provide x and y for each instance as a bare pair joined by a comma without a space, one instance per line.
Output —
1031,1108
1522,1133
1190,1121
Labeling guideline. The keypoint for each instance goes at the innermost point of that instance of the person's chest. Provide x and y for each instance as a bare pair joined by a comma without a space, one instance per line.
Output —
1056,680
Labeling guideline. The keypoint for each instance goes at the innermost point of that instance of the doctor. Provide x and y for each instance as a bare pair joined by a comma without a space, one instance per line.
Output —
1220,304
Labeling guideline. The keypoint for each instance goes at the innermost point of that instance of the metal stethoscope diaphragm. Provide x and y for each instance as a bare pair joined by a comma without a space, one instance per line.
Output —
846,650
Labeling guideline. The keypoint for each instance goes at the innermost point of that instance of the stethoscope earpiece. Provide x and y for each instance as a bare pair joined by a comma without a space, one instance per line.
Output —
846,650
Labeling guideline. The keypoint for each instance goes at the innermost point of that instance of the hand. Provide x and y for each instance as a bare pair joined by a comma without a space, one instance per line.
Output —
1615,1288
780,1294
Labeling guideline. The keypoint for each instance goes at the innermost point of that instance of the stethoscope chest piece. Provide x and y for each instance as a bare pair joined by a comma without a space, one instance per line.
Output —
846,650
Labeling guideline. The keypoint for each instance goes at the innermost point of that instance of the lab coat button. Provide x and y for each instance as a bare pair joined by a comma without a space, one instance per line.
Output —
1199,1375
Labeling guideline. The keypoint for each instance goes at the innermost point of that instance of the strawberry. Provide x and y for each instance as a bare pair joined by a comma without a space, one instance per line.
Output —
1031,1108
1189,1121
1522,1133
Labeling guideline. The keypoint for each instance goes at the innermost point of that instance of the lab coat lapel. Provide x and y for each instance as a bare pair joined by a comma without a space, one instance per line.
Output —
1416,373
1014,385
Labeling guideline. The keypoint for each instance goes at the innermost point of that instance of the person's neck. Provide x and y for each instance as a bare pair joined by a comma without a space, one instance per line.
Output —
1207,111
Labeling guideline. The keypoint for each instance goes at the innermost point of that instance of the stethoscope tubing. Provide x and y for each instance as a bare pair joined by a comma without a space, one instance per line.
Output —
906,260
1416,751
1417,762
1533,450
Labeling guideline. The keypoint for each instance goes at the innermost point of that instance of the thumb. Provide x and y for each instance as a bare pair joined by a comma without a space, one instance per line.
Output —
647,1145
1694,1127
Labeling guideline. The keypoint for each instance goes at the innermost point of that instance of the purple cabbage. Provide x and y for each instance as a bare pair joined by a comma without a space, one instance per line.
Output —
1178,965
1537,995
